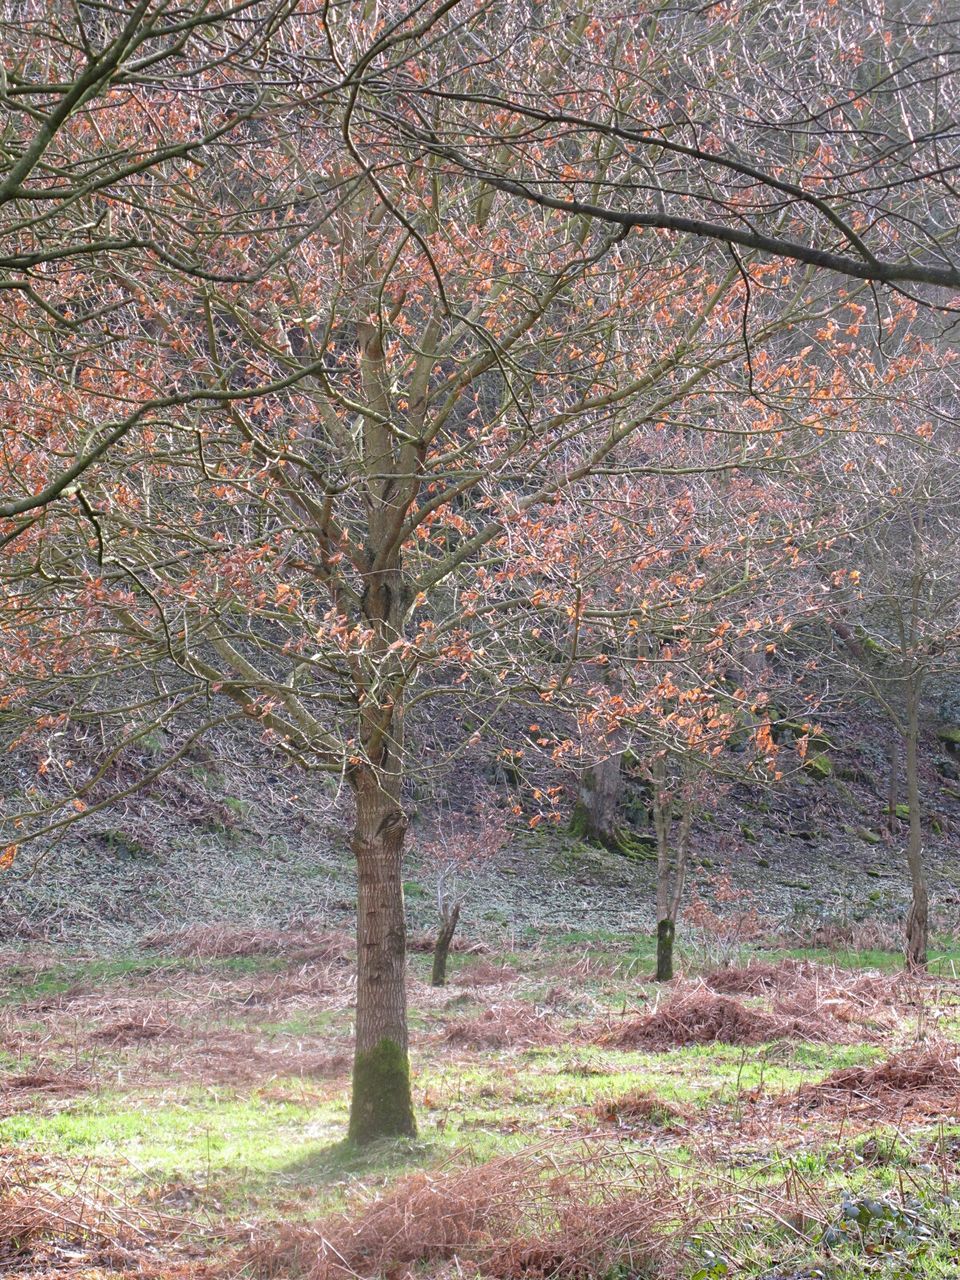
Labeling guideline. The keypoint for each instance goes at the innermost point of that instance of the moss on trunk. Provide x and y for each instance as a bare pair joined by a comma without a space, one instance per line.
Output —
381,1106
666,931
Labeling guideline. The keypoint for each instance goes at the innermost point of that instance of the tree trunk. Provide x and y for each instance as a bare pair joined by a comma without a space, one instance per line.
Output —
448,926
671,866
598,801
381,1105
666,930
663,824
917,931
893,787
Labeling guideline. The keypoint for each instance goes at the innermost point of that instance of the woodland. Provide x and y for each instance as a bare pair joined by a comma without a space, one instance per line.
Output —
479,639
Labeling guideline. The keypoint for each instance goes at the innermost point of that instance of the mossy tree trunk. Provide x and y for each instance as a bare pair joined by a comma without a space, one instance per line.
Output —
666,932
381,1105
449,916
918,925
598,803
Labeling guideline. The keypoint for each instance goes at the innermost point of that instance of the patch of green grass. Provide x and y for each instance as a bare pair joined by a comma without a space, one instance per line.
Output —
846,958
944,957
24,984
221,1138
304,1023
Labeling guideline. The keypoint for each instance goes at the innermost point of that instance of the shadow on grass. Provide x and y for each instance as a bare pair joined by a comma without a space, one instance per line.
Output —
338,1162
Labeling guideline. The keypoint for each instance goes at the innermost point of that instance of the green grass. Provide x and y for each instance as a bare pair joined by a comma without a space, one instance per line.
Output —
26,984
273,1148
234,1142
944,958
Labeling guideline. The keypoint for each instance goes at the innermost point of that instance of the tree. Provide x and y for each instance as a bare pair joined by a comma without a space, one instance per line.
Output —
893,595
320,559
437,367
459,847
686,581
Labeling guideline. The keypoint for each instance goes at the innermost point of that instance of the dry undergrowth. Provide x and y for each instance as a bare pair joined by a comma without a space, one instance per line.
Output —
503,1026
698,1016
518,1217
799,987
221,942
83,1232
424,943
483,973
924,1079
175,1024
640,1106
803,1001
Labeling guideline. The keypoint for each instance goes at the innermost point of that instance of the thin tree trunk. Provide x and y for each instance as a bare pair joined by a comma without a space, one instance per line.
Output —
893,787
381,1105
663,822
666,932
441,950
671,869
917,931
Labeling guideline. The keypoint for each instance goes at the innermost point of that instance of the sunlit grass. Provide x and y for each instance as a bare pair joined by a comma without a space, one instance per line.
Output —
272,1148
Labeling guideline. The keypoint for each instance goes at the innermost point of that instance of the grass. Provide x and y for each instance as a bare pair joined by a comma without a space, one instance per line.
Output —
238,1100
944,958
27,983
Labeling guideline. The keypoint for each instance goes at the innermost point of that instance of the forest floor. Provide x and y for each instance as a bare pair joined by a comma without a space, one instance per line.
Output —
222,839
178,1111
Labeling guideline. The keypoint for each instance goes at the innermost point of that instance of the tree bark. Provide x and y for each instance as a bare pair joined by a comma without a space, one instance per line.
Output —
598,801
671,868
381,1105
666,931
448,927
917,930
893,787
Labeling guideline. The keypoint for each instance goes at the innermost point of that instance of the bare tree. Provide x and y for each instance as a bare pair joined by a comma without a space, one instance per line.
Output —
894,594
459,846
319,559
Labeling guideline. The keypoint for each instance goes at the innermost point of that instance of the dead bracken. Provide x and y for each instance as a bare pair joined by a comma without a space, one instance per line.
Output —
536,1214
500,1027
926,1079
639,1106
701,1017
220,941
482,973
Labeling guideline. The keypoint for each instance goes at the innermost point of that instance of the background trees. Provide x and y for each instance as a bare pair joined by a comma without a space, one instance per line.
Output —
894,600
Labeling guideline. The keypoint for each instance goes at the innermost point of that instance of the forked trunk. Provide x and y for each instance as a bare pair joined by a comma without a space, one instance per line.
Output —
381,1106
448,927
918,927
